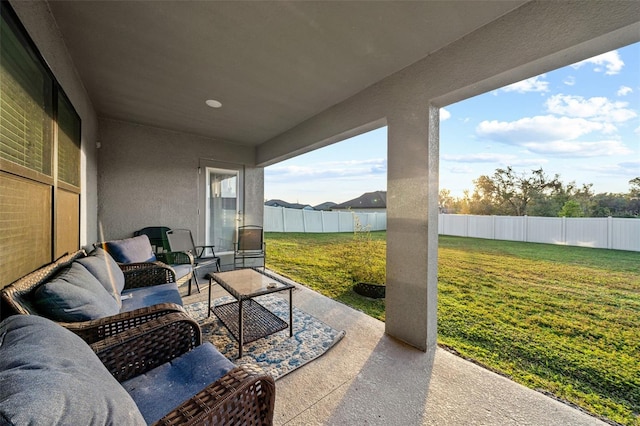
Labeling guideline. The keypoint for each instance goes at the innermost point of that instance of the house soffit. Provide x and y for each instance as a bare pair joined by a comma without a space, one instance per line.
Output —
271,64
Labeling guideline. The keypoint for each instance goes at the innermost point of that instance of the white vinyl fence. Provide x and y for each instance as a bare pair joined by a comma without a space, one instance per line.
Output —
280,219
606,232
596,232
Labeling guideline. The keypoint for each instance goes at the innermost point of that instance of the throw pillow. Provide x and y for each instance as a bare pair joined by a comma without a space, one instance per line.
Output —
74,295
106,270
131,250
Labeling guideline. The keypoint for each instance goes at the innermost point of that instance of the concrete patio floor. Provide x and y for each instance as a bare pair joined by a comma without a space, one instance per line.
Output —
369,378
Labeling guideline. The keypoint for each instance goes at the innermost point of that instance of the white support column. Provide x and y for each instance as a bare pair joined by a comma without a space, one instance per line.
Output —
412,226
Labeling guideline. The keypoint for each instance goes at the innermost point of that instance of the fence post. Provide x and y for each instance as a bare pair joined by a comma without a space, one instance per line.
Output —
563,230
284,220
609,232
304,220
525,236
493,226
466,230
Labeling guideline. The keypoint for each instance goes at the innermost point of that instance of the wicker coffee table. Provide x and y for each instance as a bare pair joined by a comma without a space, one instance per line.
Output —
246,319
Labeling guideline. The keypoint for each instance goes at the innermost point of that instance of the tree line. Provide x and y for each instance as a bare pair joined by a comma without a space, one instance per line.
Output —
507,193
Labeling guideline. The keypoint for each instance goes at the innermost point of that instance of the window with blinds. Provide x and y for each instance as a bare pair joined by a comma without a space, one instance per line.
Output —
39,191
26,102
68,143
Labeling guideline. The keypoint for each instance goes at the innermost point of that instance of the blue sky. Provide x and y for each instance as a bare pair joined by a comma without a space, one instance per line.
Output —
581,122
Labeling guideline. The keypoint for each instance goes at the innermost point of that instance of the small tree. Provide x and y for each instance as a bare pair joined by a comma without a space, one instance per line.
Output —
361,254
507,193
634,187
571,209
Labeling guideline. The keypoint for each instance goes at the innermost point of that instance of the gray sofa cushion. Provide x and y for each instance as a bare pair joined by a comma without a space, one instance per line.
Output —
142,297
106,270
48,375
131,250
74,295
166,387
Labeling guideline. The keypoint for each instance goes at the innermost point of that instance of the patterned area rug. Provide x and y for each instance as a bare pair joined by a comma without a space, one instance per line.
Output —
277,354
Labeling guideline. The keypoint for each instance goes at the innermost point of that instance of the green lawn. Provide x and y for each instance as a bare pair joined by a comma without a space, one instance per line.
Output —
564,320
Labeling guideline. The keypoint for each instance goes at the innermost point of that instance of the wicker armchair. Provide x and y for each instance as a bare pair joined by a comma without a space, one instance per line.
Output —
243,396
129,251
16,297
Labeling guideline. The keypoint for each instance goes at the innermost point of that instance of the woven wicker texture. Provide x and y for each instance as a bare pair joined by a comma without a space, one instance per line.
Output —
156,342
145,274
16,297
257,321
244,396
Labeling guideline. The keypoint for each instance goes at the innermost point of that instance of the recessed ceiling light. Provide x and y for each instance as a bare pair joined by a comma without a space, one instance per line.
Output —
213,103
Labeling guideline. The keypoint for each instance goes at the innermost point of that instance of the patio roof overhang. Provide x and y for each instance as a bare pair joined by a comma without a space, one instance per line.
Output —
275,65
272,65
295,76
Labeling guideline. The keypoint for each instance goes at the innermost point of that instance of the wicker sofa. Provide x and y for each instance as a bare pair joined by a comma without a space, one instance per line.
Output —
94,296
156,373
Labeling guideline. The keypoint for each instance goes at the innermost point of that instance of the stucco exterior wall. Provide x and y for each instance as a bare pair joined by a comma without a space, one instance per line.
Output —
149,177
37,19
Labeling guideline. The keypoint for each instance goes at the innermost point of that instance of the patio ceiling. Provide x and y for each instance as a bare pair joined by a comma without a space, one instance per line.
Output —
271,64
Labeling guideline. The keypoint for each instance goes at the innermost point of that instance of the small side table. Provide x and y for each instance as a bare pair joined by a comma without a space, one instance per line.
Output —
246,319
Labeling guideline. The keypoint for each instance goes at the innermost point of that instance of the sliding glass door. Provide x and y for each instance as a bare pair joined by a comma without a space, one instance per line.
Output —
222,203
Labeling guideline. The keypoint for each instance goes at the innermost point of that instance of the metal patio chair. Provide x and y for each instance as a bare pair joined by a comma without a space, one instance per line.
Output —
250,245
182,240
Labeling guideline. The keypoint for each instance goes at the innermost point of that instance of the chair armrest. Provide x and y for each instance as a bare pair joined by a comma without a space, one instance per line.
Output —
145,274
176,257
201,249
102,328
242,396
142,348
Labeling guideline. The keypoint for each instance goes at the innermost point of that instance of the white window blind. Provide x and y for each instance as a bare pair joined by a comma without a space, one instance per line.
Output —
26,109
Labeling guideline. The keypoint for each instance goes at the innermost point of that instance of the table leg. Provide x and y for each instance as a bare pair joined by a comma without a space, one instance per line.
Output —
209,305
291,312
240,331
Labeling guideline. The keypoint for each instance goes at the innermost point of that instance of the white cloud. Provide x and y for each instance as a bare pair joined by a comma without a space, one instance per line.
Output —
632,166
626,169
637,130
550,135
569,81
478,158
533,84
483,157
539,128
327,170
578,149
610,61
596,108
624,91
444,114
461,169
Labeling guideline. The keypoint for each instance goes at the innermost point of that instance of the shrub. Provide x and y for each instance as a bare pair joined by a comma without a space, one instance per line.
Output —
360,257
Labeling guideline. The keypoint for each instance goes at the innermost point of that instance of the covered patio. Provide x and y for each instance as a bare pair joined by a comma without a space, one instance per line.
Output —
293,77
371,378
